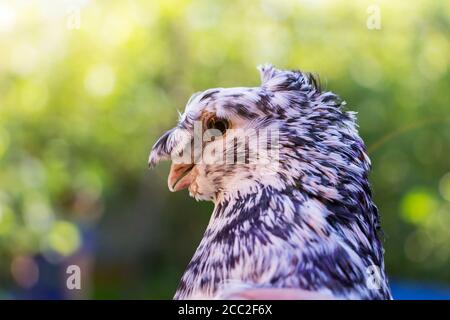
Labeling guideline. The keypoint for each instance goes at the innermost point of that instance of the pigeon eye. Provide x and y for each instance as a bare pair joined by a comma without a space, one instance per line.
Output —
219,124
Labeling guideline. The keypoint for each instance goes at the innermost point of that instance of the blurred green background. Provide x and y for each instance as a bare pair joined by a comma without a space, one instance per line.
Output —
87,86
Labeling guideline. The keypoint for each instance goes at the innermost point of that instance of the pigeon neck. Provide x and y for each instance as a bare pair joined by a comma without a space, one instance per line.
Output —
250,204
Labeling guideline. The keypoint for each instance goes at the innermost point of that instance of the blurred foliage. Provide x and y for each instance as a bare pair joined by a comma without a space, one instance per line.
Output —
81,107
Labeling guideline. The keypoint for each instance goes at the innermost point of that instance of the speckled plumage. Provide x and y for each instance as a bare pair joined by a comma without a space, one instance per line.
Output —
304,221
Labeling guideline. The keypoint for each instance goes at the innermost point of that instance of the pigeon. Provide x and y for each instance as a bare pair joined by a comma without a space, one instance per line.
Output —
287,172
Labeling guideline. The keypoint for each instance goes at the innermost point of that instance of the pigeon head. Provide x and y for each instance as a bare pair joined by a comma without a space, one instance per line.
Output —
284,133
287,171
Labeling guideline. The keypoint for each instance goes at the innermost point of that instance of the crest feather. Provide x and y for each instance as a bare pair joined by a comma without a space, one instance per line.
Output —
267,72
285,80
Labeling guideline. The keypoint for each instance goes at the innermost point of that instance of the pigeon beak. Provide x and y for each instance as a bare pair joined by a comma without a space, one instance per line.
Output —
180,176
